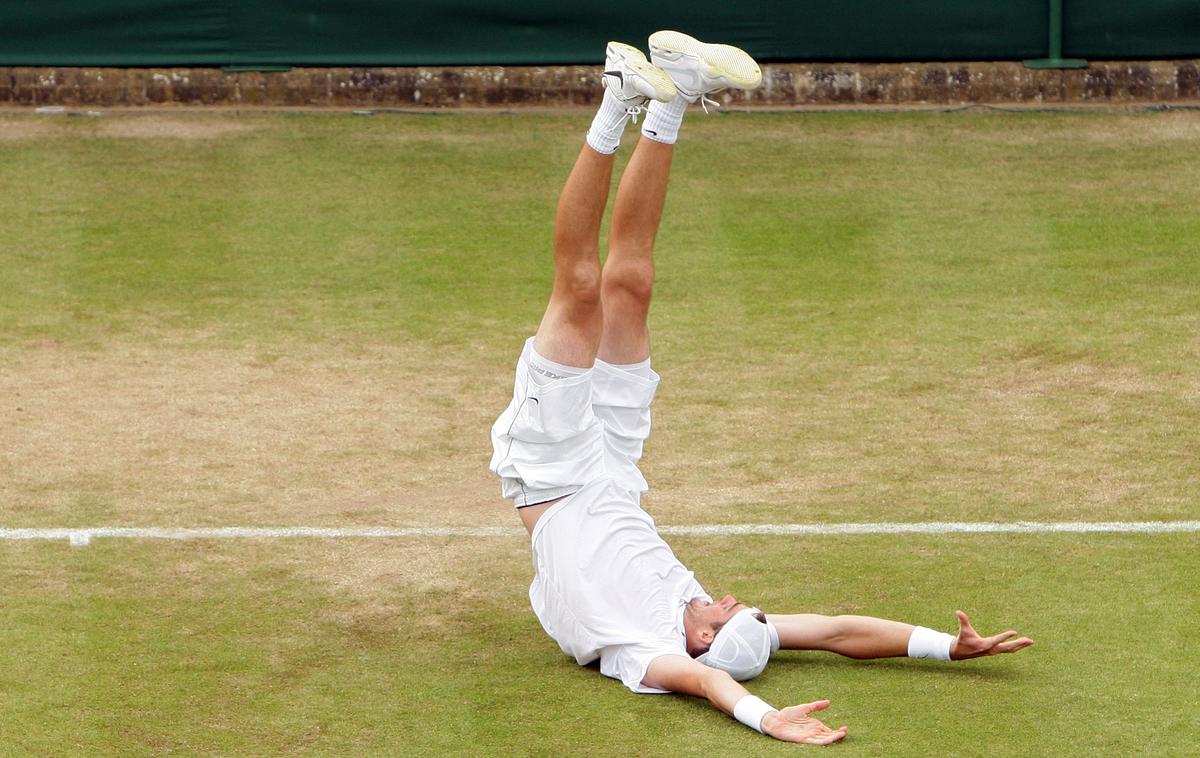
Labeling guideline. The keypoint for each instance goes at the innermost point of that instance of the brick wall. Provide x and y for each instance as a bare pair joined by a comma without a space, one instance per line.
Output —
482,86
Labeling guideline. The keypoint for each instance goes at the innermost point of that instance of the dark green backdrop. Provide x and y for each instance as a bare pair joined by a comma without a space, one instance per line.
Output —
448,32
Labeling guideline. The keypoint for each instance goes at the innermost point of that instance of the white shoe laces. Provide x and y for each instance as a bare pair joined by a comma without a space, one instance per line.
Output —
634,111
706,101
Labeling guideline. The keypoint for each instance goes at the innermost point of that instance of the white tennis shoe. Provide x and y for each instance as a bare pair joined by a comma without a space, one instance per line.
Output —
633,79
699,69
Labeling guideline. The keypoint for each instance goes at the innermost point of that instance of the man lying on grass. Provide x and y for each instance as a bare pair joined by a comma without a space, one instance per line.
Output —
606,585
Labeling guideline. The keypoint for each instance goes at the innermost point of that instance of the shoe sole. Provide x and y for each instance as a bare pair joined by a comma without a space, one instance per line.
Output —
727,62
635,60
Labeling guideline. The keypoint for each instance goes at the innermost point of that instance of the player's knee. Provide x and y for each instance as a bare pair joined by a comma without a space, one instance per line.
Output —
581,284
633,279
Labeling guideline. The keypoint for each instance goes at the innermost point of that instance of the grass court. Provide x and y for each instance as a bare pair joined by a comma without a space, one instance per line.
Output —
217,319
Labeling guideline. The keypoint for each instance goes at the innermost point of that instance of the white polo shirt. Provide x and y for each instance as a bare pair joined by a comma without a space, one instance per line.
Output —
607,586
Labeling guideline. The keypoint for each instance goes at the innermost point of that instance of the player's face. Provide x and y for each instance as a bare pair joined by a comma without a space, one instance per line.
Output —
717,612
704,617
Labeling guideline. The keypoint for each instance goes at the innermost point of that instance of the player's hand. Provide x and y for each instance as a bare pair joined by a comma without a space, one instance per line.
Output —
794,724
970,645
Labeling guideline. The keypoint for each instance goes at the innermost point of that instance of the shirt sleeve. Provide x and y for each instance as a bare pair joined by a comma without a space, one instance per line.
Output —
629,663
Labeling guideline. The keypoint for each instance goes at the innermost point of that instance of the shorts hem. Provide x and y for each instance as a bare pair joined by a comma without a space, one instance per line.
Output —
538,497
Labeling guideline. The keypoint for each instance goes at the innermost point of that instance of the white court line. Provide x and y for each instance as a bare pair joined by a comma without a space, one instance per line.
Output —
83,536
939,527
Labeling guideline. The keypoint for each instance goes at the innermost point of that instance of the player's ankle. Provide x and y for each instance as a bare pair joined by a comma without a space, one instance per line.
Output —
604,135
663,120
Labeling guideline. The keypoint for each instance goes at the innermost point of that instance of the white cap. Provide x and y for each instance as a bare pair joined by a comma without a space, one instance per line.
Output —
743,646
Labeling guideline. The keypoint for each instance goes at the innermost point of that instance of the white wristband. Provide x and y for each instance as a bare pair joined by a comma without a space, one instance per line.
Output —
926,643
751,710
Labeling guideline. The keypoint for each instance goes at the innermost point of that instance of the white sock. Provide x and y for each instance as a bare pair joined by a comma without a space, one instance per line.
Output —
664,119
604,136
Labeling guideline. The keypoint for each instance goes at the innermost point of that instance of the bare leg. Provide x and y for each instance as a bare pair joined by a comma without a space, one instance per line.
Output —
571,327
628,276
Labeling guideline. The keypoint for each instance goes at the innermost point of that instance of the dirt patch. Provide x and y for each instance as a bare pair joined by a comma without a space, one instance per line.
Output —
1068,429
20,129
166,434
400,135
1042,433
1141,129
189,127
143,435
1032,373
446,567
405,591
1011,130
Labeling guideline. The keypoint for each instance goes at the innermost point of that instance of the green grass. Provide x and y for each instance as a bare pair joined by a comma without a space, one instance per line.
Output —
236,650
306,227
217,319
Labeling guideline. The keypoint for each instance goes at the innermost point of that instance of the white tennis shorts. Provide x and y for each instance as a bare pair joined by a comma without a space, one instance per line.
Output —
554,438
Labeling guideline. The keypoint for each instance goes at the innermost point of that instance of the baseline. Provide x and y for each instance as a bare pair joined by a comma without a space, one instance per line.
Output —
83,535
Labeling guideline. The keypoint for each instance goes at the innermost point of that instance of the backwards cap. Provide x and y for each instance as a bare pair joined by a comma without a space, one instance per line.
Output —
743,646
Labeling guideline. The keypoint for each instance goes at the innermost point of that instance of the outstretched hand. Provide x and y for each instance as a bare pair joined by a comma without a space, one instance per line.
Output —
794,724
970,645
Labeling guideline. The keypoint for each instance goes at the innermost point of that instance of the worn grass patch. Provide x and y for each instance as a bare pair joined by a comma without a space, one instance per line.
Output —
135,435
312,318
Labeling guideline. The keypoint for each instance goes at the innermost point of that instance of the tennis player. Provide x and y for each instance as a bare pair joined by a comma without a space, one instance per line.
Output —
606,586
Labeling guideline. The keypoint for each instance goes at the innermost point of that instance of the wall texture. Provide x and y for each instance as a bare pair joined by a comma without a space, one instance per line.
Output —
792,84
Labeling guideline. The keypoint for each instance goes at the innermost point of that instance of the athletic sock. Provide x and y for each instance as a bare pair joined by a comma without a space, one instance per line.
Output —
546,370
604,136
664,119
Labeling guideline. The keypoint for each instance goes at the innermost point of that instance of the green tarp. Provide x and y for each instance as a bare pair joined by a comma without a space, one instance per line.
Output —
1108,29
463,32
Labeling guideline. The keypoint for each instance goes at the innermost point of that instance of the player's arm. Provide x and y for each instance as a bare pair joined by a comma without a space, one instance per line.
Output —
868,637
852,636
677,673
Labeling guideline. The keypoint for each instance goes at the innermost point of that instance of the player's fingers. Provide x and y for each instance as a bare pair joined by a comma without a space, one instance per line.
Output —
1015,645
827,739
817,705
1007,647
996,639
964,623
